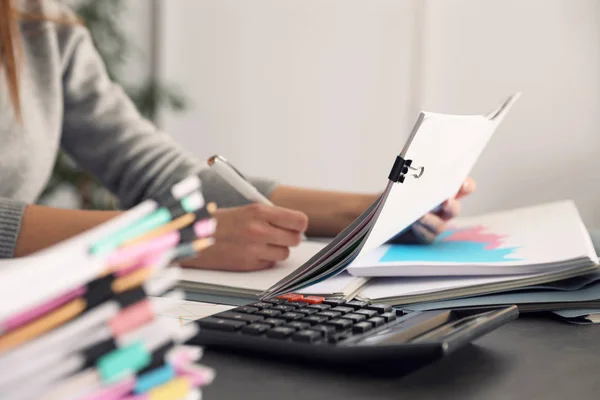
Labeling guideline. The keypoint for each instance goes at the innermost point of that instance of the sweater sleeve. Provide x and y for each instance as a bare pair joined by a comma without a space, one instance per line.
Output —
106,135
11,213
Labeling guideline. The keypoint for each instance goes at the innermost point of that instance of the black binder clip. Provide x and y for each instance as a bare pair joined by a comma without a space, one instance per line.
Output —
402,168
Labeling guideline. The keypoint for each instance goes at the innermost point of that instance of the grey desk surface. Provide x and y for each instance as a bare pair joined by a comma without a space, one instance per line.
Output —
526,359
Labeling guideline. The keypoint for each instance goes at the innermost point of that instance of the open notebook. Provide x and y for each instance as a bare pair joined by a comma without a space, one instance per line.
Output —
436,159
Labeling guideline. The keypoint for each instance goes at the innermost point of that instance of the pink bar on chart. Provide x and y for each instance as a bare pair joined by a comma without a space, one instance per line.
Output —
145,249
23,318
205,228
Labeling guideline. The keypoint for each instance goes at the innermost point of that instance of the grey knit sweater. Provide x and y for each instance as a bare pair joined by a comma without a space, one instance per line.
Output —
69,101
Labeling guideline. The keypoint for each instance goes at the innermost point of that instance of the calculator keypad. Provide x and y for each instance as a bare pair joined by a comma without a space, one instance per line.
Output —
310,319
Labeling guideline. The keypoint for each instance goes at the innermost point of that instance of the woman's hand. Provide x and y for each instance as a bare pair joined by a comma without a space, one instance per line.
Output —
251,238
434,223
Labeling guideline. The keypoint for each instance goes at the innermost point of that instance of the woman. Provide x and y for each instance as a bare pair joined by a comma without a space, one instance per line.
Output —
56,93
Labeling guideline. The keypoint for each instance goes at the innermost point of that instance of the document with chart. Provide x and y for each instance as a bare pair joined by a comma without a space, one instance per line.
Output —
438,156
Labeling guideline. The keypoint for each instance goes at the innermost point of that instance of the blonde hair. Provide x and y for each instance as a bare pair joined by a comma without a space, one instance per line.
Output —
10,51
11,44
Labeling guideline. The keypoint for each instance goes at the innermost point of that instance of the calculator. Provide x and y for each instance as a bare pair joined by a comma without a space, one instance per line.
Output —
334,332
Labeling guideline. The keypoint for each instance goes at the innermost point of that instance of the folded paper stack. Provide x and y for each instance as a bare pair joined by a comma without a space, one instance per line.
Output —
78,320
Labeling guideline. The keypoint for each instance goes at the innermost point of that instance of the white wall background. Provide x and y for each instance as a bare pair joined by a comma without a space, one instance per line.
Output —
322,92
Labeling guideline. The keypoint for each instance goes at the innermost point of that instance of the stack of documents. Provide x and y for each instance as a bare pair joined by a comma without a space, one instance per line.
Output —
78,320
497,253
526,255
431,167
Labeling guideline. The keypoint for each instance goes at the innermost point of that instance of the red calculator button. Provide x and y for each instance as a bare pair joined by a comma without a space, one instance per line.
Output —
291,297
312,299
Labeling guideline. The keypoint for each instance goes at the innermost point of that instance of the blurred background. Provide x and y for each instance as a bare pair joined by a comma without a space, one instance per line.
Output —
323,93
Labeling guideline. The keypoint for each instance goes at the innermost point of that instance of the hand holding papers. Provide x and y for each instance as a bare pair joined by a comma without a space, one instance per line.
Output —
439,154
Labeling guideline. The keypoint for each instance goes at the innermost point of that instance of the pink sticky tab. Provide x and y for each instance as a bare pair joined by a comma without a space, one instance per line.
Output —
205,228
113,392
21,319
144,250
131,318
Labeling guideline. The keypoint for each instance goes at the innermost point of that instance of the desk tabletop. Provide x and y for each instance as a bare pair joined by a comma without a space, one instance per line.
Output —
530,358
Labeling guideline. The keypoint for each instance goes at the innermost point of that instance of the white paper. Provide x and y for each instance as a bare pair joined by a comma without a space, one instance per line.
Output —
447,147
257,280
400,287
534,238
181,312
336,284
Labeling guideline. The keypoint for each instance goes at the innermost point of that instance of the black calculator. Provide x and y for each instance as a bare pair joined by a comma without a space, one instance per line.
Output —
346,334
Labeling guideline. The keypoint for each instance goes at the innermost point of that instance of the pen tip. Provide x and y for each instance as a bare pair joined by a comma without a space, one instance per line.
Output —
211,160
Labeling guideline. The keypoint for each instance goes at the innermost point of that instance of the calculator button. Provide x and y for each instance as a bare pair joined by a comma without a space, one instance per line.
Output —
340,324
312,299
355,317
320,307
298,325
269,312
307,336
356,304
362,327
326,330
295,304
284,308
380,308
245,310
273,321
338,337
315,319
220,324
334,301
367,313
281,332
256,329
274,301
261,305
376,321
290,297
389,316
239,317
291,316
343,310
307,311
329,314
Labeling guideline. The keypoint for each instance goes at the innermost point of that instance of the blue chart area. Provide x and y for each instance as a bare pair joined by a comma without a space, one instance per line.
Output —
466,245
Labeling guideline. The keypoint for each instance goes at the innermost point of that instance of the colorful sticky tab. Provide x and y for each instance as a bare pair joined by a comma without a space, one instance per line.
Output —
176,389
123,362
154,378
154,220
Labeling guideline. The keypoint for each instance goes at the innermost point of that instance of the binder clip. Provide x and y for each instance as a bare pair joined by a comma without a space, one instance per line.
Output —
403,168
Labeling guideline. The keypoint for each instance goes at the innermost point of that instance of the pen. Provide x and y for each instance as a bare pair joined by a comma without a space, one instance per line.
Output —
237,181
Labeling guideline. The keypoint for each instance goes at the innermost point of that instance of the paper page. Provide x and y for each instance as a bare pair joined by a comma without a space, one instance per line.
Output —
577,312
447,147
337,284
258,280
527,236
379,288
181,312
587,294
